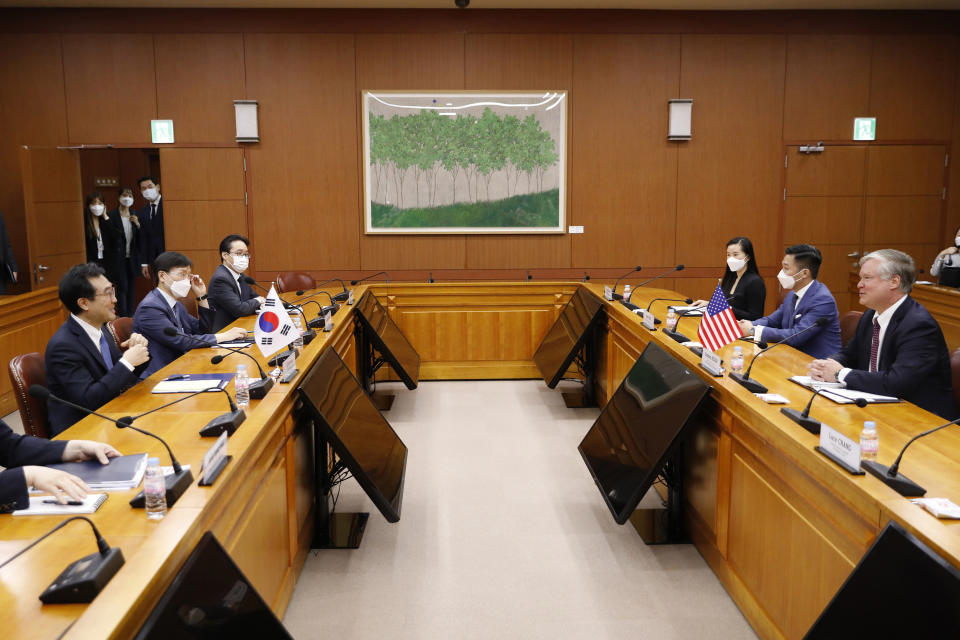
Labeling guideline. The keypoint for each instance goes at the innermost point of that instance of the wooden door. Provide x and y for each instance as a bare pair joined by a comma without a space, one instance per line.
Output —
53,206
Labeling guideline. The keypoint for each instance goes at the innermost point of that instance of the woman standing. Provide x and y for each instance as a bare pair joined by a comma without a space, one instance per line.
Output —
126,228
741,282
102,242
946,266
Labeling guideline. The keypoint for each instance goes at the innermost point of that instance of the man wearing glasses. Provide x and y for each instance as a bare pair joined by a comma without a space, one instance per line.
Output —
84,365
230,295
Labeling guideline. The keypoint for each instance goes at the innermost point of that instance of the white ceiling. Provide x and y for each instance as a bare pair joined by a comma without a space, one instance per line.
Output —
503,4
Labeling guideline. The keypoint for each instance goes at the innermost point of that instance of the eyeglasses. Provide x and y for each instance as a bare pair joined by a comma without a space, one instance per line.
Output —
109,292
240,255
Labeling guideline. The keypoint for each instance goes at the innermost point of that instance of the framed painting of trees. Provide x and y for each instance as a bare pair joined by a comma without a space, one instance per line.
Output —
465,162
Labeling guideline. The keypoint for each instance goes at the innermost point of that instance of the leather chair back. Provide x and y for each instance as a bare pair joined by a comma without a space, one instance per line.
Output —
294,281
25,370
120,328
848,325
955,374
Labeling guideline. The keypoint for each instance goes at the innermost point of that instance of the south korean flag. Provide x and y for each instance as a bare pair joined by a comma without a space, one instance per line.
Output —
274,330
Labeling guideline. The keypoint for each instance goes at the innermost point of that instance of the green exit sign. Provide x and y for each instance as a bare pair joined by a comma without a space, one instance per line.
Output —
161,131
864,128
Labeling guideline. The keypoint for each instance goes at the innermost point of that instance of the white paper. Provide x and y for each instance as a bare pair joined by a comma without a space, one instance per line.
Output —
184,386
39,508
772,398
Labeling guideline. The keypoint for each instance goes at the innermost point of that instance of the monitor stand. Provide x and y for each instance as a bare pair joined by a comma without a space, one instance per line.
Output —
334,530
368,363
587,362
655,522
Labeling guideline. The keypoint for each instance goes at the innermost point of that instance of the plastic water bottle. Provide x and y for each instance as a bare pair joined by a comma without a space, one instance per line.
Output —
736,361
626,293
671,320
298,327
869,441
154,490
242,382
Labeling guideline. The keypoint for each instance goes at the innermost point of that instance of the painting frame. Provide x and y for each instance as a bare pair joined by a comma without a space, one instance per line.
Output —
464,162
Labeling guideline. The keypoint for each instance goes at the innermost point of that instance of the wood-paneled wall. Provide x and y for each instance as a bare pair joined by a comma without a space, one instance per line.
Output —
761,82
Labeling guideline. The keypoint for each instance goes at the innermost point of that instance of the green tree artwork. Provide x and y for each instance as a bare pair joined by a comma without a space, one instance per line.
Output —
465,162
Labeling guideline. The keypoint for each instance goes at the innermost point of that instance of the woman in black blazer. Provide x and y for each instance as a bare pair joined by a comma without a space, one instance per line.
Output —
126,234
742,284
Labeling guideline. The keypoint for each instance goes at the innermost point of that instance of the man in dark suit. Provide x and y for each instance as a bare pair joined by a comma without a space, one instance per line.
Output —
84,365
808,300
230,295
8,263
161,309
23,457
898,348
152,241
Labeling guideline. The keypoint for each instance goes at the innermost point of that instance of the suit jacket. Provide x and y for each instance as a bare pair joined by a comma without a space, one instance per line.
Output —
790,318
747,301
16,451
914,360
132,265
153,315
113,248
152,241
76,372
8,264
230,303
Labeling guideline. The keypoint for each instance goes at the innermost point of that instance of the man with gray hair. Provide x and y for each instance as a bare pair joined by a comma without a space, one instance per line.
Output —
898,348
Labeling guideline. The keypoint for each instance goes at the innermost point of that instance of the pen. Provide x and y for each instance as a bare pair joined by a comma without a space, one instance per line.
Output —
179,377
69,503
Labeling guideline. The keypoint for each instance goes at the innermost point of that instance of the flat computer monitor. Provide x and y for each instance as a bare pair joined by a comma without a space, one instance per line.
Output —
640,428
357,431
900,589
210,599
568,335
386,338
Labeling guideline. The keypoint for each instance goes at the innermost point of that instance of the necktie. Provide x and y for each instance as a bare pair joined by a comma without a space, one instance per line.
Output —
153,211
874,345
105,351
791,309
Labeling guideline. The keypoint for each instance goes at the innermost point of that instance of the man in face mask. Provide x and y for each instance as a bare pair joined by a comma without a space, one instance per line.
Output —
807,301
231,296
161,308
152,242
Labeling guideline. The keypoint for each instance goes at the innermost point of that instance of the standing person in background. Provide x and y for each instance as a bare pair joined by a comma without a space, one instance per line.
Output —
126,227
152,242
8,264
102,240
741,282
946,266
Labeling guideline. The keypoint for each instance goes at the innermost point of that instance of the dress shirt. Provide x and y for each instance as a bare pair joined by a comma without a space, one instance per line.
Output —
883,319
96,335
758,331
127,232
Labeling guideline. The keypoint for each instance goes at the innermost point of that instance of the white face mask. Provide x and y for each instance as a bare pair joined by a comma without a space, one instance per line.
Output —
126,201
151,194
736,264
180,288
96,209
240,263
957,240
787,282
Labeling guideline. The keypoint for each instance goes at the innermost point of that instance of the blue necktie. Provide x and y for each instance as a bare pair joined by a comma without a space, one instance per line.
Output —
791,311
105,351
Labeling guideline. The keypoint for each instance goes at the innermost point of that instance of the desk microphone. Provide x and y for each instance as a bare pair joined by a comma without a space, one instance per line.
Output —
256,284
177,482
679,267
378,273
430,277
258,388
339,297
754,386
83,579
529,275
586,277
676,335
803,418
891,475
617,296
684,300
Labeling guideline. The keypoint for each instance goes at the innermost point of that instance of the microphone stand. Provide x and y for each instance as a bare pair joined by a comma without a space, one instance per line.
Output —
891,475
673,333
679,267
754,386
803,418
258,388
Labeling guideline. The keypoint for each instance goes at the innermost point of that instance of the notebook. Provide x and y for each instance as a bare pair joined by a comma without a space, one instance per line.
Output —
39,506
121,474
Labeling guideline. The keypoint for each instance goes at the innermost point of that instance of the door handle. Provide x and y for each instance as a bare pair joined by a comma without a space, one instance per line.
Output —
855,254
37,270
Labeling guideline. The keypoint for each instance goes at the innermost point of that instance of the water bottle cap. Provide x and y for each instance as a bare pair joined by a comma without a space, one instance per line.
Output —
870,425
738,349
241,367
151,462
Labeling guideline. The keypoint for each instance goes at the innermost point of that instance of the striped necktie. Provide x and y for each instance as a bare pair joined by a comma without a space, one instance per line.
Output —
874,345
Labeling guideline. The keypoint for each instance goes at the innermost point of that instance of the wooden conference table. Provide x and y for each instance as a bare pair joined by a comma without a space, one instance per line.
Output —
780,525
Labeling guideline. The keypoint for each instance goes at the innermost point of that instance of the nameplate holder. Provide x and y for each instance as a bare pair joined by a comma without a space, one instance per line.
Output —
327,322
711,362
607,293
649,321
289,369
214,460
350,297
840,449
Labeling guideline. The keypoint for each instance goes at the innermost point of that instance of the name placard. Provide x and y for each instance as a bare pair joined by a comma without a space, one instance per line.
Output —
214,459
327,321
350,297
607,292
711,362
649,321
840,449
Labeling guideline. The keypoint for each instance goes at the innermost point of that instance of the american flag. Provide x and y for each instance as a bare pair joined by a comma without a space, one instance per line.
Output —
718,327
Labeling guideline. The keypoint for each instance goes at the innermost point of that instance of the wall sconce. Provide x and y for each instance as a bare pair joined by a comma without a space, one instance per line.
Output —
811,148
681,113
246,113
